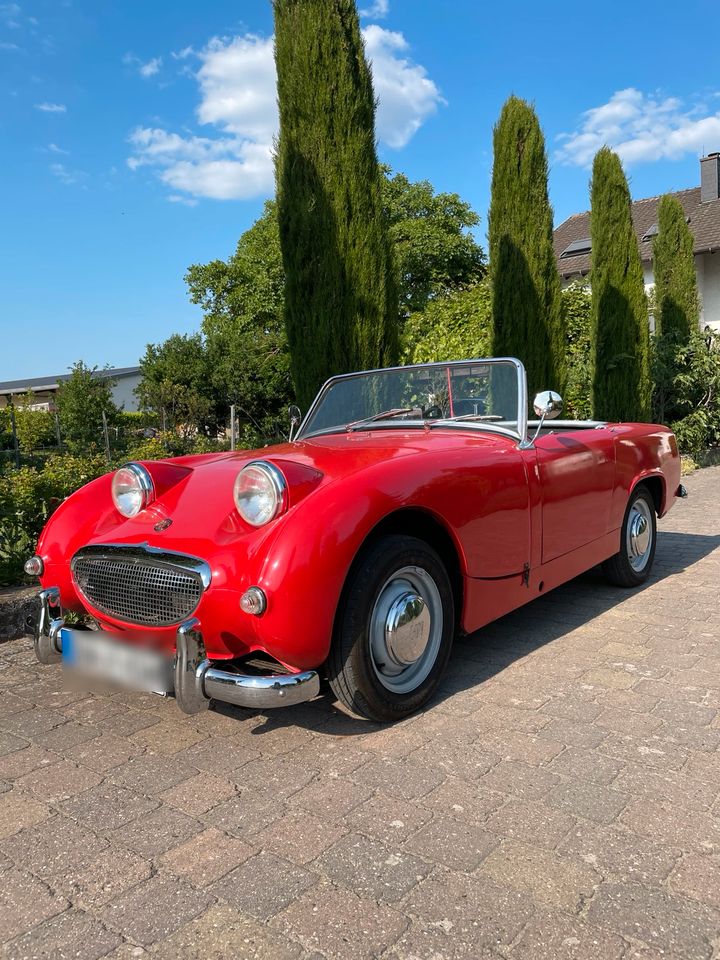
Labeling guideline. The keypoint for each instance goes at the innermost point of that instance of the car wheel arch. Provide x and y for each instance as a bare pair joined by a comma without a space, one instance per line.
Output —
655,484
426,526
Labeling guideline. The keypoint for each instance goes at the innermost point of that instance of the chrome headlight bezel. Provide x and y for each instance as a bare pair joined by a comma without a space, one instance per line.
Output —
140,484
275,489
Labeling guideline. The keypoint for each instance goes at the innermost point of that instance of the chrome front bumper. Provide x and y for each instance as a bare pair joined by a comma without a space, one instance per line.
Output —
197,681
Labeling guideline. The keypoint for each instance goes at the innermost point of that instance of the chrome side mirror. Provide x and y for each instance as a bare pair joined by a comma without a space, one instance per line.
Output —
547,405
295,420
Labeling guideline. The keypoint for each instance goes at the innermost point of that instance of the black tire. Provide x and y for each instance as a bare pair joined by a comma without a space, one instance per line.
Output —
625,569
355,674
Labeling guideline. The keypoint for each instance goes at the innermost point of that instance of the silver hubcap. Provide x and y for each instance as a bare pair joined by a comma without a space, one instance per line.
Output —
406,629
639,535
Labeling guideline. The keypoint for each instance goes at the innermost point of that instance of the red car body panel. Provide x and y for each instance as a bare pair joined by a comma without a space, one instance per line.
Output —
522,521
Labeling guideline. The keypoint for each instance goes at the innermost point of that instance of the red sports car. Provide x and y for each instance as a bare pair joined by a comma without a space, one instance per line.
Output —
413,503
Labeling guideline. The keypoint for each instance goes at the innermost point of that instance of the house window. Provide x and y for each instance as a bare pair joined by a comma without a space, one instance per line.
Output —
651,232
576,248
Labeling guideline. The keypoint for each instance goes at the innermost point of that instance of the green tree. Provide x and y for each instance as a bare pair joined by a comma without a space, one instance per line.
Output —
456,326
340,294
676,295
81,401
435,251
35,428
527,313
621,379
176,383
243,326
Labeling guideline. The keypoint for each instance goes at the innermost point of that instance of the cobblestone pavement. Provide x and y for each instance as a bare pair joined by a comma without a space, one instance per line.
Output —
560,799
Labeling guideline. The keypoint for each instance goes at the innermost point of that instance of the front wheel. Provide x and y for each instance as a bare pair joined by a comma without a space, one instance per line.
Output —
631,565
394,629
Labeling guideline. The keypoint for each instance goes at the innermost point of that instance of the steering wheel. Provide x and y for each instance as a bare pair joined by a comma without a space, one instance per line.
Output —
433,413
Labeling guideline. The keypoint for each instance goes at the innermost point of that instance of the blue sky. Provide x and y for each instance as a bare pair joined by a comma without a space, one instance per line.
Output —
135,137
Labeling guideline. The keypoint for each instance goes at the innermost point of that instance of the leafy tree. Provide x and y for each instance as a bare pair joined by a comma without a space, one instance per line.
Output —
243,297
456,326
621,379
248,358
35,428
527,314
81,401
176,383
340,294
435,252
676,294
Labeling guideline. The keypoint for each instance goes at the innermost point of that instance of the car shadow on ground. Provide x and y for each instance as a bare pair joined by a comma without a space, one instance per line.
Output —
480,656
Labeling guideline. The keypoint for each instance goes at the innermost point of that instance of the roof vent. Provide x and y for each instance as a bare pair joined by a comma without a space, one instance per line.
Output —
710,177
576,248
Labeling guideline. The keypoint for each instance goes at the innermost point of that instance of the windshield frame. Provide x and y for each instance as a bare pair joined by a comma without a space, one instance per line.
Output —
522,411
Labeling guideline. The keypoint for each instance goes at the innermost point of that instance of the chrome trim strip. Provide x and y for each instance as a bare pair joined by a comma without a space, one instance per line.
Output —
141,552
197,681
46,635
190,664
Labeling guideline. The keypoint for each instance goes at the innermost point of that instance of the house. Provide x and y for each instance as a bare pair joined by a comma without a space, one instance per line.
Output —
702,209
45,388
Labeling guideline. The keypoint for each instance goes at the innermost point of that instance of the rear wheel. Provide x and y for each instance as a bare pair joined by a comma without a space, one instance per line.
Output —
631,565
394,630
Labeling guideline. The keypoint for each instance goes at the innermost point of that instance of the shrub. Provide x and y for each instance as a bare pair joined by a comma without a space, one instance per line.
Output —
576,300
28,496
692,388
457,326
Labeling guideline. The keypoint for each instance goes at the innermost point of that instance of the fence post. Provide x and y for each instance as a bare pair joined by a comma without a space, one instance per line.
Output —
57,432
13,426
232,426
107,437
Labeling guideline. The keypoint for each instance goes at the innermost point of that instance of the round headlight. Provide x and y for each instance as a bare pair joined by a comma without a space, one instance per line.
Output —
260,492
132,489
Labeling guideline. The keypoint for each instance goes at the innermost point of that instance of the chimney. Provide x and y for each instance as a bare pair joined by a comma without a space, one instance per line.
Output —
710,177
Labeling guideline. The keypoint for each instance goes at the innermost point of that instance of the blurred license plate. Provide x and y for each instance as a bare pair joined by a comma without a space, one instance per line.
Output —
93,654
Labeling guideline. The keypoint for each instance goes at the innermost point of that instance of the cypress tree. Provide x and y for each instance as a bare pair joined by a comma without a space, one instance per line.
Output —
620,330
527,308
676,295
341,301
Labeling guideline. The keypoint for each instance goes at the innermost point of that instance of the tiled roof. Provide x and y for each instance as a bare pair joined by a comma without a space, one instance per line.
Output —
704,224
37,384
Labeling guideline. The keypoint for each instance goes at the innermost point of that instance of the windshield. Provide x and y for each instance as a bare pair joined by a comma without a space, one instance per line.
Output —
490,393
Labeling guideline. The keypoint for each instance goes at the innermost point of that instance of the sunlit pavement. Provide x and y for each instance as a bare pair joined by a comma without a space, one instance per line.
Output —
560,799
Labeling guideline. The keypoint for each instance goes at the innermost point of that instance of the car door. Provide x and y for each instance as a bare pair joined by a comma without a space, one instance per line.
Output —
577,475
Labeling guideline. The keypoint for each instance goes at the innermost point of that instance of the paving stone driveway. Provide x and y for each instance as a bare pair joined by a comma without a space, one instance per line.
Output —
559,800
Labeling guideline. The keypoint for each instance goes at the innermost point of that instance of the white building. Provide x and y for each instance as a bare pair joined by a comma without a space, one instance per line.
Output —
702,209
44,388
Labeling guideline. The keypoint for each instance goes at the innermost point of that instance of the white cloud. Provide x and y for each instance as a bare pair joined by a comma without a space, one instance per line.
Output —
150,68
8,46
377,10
186,201
54,148
68,177
238,97
51,107
641,128
225,168
10,14
406,95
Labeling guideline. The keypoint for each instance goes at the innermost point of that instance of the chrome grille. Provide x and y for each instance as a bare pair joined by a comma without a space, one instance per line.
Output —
137,585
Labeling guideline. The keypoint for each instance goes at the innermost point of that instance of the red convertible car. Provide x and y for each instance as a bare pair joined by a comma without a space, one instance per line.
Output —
413,503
